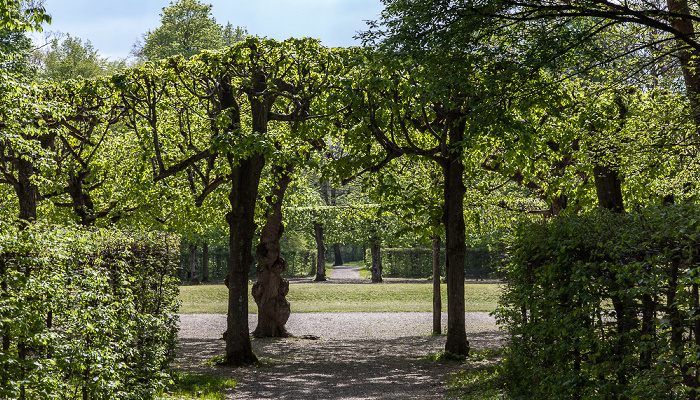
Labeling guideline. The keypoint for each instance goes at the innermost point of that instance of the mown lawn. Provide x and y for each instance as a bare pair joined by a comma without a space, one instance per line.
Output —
310,297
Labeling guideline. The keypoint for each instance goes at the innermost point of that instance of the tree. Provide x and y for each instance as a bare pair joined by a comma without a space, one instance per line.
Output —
70,58
17,15
187,28
223,116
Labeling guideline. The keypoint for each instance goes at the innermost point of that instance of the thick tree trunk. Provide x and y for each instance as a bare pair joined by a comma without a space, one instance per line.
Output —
337,255
194,278
455,245
245,179
437,296
608,188
376,269
26,190
205,261
320,253
270,289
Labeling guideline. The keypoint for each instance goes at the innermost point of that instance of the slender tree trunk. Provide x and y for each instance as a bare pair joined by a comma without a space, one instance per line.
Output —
205,261
376,269
455,244
270,289
337,255
320,252
437,296
245,179
194,277
608,188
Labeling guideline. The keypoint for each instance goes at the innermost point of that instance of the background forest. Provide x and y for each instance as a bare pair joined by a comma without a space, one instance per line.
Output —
553,143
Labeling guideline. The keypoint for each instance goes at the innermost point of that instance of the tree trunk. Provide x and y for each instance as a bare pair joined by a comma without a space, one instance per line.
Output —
687,56
245,179
455,244
437,297
608,188
205,261
194,278
26,190
376,268
270,289
337,254
320,253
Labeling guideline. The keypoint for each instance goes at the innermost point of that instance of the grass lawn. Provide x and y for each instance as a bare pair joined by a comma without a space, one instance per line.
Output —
310,297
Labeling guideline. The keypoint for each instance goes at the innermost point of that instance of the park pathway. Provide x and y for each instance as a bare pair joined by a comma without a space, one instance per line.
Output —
353,356
345,273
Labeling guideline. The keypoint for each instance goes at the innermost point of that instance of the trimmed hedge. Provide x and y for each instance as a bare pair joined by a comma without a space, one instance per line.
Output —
89,315
605,306
418,262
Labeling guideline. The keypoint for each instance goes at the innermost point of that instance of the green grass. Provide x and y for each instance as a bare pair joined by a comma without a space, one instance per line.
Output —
310,297
480,378
202,387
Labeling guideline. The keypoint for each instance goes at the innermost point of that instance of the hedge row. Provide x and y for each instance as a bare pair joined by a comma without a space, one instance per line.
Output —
85,315
418,262
604,306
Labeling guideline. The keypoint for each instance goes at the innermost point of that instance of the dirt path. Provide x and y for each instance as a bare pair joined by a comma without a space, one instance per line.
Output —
357,356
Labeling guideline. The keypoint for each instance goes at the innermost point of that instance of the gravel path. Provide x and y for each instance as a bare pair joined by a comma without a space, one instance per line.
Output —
342,272
357,355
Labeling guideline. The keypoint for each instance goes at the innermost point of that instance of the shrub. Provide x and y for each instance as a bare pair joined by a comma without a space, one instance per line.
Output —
605,306
85,314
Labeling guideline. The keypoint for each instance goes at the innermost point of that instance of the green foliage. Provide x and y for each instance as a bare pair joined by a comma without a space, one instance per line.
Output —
71,58
203,387
188,28
22,17
418,262
89,314
602,305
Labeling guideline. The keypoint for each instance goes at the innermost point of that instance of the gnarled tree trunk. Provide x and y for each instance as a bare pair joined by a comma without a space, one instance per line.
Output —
270,289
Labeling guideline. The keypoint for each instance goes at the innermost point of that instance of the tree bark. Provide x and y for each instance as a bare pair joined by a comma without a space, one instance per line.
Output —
26,190
608,188
205,261
320,252
437,296
455,244
245,179
194,278
687,56
337,255
270,289
376,269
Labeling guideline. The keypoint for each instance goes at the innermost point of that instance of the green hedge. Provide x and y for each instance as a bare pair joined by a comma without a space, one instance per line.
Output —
85,315
604,306
418,262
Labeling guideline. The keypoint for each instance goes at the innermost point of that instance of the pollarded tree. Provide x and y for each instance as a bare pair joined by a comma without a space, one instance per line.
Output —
221,115
439,105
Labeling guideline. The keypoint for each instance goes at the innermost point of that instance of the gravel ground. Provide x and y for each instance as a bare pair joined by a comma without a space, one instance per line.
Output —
356,355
